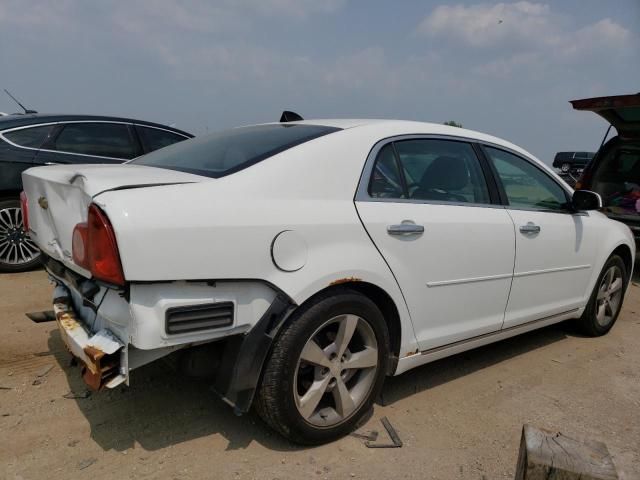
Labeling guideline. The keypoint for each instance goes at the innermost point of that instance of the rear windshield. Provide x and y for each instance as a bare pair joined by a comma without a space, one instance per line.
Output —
229,151
617,180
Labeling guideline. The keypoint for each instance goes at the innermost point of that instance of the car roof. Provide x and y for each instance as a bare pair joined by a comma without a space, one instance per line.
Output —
390,127
20,120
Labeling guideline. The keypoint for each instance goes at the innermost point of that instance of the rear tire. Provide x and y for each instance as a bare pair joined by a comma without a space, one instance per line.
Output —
606,299
18,253
320,381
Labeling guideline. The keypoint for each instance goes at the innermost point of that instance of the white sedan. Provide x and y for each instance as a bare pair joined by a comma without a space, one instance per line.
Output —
303,262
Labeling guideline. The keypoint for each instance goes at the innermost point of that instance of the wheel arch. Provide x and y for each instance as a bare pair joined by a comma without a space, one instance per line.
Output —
382,300
624,252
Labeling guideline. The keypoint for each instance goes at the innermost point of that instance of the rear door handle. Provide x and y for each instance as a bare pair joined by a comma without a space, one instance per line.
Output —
405,229
530,227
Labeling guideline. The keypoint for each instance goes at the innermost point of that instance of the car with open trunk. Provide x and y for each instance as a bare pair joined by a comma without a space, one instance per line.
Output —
614,173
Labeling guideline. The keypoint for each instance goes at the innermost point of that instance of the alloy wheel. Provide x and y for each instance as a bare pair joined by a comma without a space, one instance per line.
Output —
609,295
336,370
16,248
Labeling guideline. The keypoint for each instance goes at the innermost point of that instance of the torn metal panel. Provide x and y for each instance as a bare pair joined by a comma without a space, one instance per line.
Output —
99,353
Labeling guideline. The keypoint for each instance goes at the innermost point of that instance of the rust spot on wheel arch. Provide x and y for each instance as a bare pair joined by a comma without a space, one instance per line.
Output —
340,281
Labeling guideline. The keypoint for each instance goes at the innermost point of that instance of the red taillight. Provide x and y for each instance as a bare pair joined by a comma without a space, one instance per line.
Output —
24,206
95,247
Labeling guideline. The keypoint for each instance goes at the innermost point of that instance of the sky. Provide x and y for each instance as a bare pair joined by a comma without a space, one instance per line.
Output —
503,68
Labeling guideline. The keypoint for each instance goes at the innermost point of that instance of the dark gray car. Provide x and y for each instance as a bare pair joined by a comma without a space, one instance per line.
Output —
44,139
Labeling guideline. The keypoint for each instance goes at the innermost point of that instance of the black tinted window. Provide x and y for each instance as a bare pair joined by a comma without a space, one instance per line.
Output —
526,185
154,138
32,137
101,139
225,152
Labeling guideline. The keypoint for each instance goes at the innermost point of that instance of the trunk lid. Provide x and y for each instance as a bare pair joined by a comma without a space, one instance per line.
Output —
621,111
59,196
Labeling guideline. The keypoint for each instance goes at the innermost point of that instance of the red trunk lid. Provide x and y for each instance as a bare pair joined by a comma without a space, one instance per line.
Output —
621,111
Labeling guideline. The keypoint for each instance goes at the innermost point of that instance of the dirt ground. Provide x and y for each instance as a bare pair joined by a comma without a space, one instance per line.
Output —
458,418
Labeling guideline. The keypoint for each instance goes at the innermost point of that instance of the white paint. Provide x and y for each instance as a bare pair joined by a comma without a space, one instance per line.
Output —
224,229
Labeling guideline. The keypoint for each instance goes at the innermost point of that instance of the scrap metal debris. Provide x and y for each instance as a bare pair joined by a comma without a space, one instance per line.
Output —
393,435
86,463
371,436
41,373
44,370
73,395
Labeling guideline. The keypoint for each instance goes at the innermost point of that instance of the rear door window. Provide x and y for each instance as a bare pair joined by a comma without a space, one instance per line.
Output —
32,137
99,139
429,170
156,138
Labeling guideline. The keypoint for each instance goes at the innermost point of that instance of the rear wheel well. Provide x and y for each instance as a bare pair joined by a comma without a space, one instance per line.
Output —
624,252
386,305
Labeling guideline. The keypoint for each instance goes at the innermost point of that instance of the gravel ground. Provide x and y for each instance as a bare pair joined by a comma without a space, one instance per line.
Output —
459,418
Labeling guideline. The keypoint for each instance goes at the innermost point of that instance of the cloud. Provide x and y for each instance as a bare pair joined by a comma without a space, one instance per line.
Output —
521,25
486,25
604,35
35,14
289,8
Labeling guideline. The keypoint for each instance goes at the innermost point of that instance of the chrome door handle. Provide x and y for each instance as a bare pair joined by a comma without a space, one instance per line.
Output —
530,227
51,163
405,229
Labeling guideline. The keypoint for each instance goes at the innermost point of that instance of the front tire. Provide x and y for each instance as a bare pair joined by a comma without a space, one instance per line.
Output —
18,253
606,300
326,369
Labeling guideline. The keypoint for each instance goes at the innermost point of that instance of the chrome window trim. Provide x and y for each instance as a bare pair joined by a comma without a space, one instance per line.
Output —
24,127
64,122
163,129
362,193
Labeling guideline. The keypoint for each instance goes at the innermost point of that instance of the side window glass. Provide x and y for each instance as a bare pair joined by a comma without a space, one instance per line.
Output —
32,137
526,186
442,170
101,139
154,138
385,180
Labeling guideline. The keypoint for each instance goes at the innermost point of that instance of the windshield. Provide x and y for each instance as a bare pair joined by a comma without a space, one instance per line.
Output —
229,151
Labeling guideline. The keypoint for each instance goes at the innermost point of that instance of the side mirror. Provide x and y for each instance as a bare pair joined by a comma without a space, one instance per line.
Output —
586,200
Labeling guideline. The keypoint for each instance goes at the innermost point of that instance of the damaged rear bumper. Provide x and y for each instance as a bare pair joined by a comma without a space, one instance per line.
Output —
100,353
